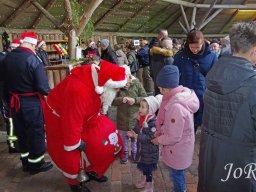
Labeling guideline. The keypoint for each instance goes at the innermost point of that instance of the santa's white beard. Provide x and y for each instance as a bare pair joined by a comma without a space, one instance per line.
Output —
107,98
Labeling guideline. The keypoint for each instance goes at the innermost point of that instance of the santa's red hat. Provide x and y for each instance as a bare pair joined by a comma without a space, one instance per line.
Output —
40,43
29,37
15,43
109,75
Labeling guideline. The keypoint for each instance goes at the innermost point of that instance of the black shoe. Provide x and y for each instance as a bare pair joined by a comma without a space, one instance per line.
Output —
79,188
45,166
24,162
94,176
13,150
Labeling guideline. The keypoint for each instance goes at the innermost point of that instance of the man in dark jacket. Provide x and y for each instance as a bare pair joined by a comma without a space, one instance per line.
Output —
160,56
107,52
25,84
227,158
11,136
143,58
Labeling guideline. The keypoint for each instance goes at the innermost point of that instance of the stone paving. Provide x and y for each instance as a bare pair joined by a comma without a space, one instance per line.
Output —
121,176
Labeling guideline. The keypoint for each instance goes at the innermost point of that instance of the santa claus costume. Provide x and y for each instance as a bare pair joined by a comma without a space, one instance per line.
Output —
73,115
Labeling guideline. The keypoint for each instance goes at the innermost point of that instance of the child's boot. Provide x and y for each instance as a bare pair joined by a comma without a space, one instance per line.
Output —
149,187
124,160
141,182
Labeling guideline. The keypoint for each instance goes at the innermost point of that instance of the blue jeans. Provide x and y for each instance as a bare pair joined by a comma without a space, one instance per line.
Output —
178,178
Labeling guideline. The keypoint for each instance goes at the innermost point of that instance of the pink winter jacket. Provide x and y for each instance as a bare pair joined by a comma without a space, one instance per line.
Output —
175,126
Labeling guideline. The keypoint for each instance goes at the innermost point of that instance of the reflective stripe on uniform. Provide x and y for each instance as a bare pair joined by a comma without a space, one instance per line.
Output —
36,160
23,155
73,147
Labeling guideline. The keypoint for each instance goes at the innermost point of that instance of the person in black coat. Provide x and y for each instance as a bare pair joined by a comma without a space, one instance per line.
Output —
25,85
42,54
107,52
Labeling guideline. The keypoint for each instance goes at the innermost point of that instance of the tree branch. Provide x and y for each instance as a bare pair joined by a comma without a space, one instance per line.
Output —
87,15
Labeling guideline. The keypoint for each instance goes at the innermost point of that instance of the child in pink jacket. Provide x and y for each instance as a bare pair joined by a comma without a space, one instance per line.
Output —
175,125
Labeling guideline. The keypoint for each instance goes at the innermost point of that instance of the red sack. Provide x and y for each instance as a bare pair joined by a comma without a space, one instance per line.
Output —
103,143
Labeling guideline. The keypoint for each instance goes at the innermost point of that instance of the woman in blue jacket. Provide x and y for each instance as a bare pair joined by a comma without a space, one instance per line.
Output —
194,61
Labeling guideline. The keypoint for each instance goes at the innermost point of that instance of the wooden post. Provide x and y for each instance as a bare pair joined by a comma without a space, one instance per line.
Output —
72,41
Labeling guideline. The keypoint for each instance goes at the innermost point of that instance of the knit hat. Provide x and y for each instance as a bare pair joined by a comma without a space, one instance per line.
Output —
40,43
15,43
104,43
29,37
109,75
153,103
168,77
90,44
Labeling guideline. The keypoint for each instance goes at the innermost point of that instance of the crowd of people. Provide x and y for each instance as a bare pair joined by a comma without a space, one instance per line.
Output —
164,91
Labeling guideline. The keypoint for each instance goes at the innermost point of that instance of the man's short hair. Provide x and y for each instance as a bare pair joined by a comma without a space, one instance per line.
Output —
243,36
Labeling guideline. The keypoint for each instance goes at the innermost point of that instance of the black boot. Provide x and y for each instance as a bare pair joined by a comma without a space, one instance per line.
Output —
94,176
43,166
24,162
79,188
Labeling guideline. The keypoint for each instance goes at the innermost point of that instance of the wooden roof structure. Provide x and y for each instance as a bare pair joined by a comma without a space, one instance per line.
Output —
134,17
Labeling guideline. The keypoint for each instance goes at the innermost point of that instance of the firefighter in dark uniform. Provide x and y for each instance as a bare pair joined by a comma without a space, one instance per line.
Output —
26,84
11,136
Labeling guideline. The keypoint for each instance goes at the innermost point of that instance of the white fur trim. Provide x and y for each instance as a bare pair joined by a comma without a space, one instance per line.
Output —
73,147
41,43
15,45
115,84
99,89
184,94
30,40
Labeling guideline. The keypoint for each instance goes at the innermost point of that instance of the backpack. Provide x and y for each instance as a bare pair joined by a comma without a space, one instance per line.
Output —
134,66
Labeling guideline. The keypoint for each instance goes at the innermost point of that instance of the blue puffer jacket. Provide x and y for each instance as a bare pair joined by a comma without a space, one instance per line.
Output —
190,76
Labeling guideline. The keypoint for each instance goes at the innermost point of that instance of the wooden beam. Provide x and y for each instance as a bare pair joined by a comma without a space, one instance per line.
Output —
184,17
145,7
184,28
210,18
158,14
207,13
14,14
51,18
87,15
218,6
178,16
41,15
230,19
109,12
138,35
193,18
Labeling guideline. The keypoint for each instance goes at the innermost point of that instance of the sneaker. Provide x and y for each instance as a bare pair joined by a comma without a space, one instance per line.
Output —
124,161
141,182
94,176
45,166
149,187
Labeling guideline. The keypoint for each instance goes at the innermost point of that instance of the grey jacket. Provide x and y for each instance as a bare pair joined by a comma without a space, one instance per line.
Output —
147,152
228,141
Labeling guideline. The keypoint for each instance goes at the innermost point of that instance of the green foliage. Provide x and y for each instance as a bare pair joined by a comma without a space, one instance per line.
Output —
77,11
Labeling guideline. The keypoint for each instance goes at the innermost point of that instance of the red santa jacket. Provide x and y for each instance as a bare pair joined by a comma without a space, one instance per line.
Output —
72,104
